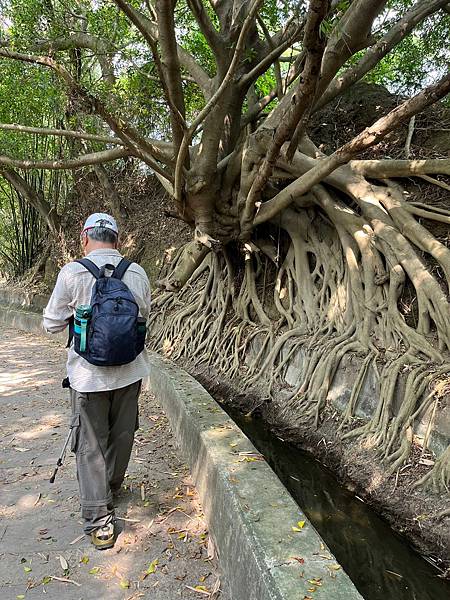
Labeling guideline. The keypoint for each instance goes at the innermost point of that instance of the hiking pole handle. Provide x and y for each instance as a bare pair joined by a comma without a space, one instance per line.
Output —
61,456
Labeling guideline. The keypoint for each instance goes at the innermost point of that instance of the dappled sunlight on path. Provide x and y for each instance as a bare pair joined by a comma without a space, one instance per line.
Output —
163,551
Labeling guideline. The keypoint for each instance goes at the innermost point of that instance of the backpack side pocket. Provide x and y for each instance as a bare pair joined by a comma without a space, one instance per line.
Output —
141,333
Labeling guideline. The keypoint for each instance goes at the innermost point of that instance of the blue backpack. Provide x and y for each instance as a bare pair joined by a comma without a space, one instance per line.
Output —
110,333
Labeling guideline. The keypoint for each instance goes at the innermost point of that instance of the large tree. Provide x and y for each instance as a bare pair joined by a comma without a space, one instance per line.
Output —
217,99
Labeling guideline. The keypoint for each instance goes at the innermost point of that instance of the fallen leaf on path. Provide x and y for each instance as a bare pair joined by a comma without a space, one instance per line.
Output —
124,584
299,527
94,570
84,559
27,569
46,580
64,563
151,568
298,559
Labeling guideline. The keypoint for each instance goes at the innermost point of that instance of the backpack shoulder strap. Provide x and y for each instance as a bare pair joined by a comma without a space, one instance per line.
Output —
121,268
90,266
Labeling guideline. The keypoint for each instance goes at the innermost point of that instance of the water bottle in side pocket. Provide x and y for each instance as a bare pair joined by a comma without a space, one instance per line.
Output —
83,314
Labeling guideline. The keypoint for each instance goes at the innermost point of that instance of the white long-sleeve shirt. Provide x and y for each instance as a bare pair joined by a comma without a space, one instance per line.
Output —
73,287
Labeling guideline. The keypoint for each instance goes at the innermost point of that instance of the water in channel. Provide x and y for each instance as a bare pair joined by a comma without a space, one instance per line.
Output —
381,565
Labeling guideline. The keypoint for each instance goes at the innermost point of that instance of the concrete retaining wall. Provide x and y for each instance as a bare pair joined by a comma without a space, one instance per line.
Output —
23,317
341,389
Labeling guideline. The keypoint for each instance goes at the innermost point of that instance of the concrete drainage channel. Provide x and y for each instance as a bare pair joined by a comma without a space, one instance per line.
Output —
267,548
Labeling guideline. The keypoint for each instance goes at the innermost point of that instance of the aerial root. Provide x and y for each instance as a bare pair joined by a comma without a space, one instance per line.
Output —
344,278
438,478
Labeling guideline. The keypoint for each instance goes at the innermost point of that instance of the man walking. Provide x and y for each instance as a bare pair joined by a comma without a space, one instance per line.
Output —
105,301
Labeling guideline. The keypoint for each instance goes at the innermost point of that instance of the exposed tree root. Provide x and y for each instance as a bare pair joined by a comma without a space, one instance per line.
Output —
346,261
438,479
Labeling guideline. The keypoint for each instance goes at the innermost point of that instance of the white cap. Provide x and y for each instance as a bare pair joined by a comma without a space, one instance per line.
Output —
101,220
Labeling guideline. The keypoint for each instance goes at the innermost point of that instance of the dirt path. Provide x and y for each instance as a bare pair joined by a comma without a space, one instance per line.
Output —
164,551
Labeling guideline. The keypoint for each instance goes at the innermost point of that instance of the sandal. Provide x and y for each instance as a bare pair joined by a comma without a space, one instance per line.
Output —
103,537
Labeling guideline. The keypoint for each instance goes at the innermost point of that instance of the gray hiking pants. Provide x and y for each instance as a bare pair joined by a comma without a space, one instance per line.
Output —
103,433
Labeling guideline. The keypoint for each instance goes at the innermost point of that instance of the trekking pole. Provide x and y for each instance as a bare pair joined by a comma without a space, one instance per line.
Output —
61,456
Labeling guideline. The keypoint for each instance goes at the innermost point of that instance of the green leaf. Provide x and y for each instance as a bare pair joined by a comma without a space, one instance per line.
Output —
124,584
27,569
46,580
152,567
94,570
84,559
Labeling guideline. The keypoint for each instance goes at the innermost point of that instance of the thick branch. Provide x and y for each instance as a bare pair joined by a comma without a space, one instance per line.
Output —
269,59
80,135
84,160
141,148
352,33
420,11
101,48
314,45
149,31
189,134
385,169
212,36
171,66
292,75
366,139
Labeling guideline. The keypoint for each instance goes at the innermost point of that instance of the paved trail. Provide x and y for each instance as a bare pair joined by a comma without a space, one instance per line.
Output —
164,551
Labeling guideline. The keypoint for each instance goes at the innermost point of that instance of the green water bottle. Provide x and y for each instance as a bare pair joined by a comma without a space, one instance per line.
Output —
83,314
